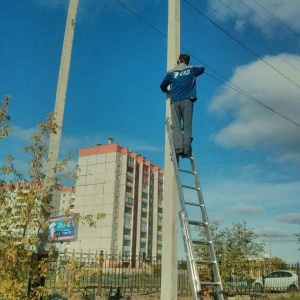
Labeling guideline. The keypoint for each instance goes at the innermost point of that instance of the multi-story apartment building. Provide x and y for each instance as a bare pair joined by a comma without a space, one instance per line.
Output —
67,199
128,189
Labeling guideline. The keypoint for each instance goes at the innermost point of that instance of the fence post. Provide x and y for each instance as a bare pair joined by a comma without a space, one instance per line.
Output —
298,273
100,273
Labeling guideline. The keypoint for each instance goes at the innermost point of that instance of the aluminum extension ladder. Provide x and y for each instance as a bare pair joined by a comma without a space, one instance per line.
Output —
202,223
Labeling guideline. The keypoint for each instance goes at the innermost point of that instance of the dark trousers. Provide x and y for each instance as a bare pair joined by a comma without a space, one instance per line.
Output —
182,114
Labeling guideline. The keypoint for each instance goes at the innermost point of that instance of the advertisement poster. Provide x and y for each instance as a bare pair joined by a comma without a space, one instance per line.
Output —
61,229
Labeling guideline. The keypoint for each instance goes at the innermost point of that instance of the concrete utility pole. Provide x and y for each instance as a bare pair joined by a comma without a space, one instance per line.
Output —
170,220
62,90
270,244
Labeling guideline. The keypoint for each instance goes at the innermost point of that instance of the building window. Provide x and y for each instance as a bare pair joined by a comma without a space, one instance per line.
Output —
129,169
129,179
130,159
116,209
116,220
129,200
144,225
118,177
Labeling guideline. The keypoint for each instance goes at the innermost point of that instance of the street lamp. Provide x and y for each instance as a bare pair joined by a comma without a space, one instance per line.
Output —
270,244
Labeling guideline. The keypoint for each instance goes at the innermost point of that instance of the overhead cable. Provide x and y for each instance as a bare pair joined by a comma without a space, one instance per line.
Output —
288,27
269,24
226,81
240,43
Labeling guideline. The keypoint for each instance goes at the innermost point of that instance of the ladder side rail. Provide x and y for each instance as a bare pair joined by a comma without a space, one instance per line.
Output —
188,245
216,272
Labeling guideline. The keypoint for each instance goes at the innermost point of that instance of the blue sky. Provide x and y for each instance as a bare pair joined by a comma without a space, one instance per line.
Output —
247,155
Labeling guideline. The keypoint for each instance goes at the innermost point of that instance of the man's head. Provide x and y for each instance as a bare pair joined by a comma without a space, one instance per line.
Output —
184,58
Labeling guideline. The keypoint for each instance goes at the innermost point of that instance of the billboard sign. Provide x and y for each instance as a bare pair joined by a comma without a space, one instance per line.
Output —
61,229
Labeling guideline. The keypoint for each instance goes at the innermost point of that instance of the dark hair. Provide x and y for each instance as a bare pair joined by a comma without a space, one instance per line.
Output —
184,58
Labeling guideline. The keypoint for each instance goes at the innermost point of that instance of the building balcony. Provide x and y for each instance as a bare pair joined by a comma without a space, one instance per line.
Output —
144,209
129,174
127,237
144,229
144,219
160,215
128,226
143,240
129,184
126,248
130,195
130,164
128,215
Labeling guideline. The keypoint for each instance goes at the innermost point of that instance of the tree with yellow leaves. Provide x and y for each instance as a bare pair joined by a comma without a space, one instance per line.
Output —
26,260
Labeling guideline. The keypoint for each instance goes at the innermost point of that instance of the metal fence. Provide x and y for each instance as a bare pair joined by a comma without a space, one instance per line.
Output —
101,273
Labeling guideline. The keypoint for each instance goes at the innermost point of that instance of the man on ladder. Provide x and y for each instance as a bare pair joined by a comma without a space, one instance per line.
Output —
183,95
182,79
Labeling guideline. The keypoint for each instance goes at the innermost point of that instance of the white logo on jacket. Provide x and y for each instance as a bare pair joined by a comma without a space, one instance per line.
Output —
182,73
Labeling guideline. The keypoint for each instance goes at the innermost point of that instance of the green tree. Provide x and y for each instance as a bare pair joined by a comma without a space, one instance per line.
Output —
25,208
234,246
4,117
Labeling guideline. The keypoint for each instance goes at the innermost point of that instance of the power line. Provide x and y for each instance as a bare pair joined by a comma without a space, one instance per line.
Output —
277,18
240,43
269,24
265,35
146,22
234,87
241,91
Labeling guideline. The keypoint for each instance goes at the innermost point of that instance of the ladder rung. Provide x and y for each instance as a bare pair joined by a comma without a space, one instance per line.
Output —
206,262
187,171
202,242
209,283
194,204
198,223
190,187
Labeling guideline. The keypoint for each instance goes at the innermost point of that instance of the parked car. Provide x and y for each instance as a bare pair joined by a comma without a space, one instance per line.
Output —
277,281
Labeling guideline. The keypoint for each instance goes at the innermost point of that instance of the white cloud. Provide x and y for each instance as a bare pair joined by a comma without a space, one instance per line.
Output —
286,11
275,233
22,134
247,210
293,218
251,124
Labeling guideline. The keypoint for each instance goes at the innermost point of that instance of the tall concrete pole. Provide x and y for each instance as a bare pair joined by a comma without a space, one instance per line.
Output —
62,89
170,220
